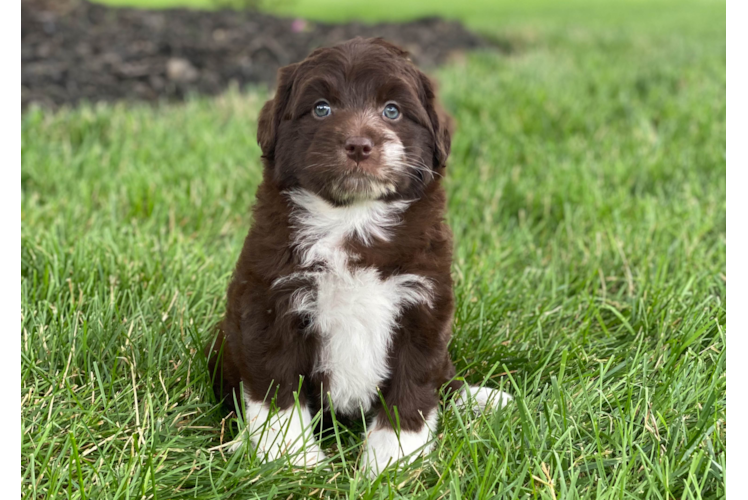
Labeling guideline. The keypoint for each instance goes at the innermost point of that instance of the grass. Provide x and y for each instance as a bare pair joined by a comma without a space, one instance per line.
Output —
490,16
587,198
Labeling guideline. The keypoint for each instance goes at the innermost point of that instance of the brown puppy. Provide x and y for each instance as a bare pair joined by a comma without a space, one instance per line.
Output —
343,286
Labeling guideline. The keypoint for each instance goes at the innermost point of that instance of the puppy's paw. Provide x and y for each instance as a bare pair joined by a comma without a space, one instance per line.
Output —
281,434
382,450
385,448
481,398
309,457
299,448
236,445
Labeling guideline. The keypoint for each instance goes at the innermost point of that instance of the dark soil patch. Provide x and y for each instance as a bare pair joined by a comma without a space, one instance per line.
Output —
74,50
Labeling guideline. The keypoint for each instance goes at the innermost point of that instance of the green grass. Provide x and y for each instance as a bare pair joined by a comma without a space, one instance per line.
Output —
492,15
587,198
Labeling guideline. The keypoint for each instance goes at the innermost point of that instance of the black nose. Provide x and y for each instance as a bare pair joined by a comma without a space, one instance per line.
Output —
358,148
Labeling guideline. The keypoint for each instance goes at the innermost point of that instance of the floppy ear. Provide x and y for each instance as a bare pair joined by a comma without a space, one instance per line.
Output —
441,123
273,111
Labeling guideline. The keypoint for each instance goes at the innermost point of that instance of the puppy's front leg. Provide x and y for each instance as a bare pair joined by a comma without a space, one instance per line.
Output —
282,432
405,426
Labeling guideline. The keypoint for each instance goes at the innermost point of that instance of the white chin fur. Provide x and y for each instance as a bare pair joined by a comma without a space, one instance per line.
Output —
361,189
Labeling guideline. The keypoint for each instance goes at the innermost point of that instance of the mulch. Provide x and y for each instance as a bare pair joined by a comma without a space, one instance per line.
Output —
74,50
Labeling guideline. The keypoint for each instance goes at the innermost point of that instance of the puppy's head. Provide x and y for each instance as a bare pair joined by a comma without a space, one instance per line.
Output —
357,121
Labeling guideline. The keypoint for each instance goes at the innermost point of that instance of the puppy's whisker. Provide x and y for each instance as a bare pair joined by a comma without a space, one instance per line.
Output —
405,168
426,169
412,176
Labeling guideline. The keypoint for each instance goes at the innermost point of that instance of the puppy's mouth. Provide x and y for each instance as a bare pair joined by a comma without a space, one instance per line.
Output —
384,171
358,184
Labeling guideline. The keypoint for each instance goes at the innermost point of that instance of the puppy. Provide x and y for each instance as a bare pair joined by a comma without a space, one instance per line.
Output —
342,296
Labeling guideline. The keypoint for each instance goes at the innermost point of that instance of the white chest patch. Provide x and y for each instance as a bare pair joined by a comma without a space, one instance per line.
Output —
352,309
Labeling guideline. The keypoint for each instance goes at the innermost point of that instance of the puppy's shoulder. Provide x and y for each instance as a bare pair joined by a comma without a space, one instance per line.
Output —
266,251
426,218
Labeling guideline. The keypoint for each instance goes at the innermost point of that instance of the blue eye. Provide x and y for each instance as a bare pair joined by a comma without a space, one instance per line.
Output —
322,109
391,111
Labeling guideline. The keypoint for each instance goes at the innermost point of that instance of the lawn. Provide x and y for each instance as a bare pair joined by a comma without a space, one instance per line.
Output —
587,198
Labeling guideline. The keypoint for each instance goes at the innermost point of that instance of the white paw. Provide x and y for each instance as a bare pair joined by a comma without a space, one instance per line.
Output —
283,433
385,448
236,445
309,457
481,398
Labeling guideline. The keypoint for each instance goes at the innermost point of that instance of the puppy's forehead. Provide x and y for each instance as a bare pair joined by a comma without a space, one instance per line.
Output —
356,54
356,74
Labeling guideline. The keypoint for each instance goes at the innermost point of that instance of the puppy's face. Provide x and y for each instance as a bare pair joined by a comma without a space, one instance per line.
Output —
354,122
